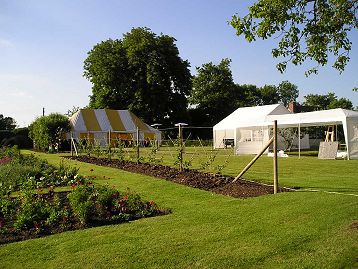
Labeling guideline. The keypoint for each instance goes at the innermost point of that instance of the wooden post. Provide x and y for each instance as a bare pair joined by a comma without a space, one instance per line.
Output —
275,166
181,146
109,137
254,160
299,141
137,144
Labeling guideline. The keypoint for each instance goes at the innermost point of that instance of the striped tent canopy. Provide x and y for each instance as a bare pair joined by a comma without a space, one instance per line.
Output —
102,124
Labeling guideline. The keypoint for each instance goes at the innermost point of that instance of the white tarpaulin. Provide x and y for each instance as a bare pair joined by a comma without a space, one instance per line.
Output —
249,126
239,127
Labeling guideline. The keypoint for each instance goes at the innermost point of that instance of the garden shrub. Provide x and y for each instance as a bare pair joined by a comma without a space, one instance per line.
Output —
15,168
91,204
47,131
36,208
19,137
81,203
4,135
34,212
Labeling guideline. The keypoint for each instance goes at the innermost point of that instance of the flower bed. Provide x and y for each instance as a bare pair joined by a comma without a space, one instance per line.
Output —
34,213
36,210
15,168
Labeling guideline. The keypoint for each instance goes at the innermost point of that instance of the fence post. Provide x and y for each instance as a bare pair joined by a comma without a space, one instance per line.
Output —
275,164
137,144
181,146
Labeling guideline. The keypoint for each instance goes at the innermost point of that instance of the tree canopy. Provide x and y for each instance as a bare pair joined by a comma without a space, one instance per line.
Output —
142,72
288,92
7,123
307,29
214,91
215,95
48,130
326,101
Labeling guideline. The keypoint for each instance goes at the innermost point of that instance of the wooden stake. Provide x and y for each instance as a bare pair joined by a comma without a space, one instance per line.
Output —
275,164
181,146
254,160
137,144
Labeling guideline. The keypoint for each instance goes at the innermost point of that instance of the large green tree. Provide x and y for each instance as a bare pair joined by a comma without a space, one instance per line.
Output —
307,29
7,123
288,92
142,72
214,94
269,95
326,101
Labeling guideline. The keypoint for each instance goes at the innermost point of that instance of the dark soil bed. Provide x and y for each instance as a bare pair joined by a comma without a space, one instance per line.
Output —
206,181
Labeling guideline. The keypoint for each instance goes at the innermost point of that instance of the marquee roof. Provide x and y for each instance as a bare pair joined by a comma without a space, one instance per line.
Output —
265,115
103,120
314,118
251,116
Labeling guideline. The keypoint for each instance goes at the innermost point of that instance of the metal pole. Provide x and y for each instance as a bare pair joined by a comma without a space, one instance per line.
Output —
275,166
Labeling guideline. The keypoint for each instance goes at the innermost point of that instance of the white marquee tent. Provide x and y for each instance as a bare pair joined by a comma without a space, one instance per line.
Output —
249,127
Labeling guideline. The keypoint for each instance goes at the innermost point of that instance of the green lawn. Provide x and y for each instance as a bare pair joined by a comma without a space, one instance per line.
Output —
289,230
307,172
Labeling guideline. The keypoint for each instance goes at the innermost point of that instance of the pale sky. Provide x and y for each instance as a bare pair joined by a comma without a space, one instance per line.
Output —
43,44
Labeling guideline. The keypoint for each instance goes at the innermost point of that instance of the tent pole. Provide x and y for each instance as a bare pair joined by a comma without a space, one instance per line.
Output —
345,131
71,138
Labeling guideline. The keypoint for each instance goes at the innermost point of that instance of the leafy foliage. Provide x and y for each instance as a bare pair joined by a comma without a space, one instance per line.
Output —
72,111
47,131
91,204
214,92
288,92
137,71
326,101
309,29
269,95
36,208
16,168
7,123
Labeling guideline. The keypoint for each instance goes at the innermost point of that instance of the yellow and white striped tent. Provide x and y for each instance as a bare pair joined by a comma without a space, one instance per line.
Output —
104,125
